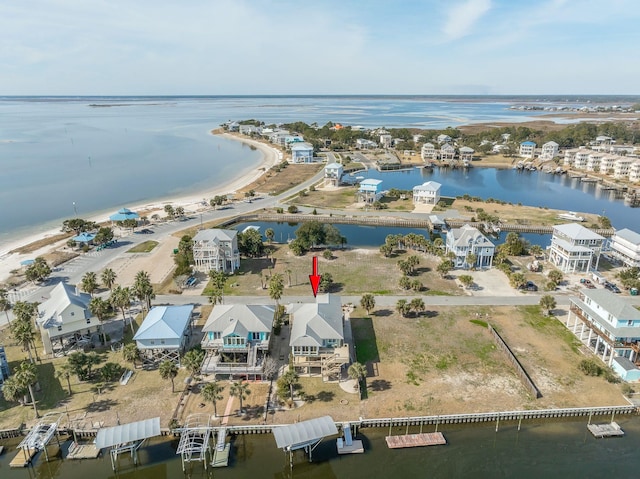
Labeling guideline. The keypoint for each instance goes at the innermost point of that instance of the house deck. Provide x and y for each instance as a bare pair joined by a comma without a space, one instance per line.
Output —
415,440
606,430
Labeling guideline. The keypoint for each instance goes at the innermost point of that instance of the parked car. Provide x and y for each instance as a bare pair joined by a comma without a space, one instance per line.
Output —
611,287
145,231
529,286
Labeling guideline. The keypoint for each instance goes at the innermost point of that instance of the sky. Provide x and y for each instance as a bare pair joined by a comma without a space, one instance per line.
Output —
282,47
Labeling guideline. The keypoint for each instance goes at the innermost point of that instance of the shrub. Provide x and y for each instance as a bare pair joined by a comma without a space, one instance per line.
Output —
589,367
292,209
327,254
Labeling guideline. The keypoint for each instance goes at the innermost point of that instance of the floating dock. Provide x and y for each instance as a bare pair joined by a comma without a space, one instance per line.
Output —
23,458
348,445
606,430
415,440
221,452
83,451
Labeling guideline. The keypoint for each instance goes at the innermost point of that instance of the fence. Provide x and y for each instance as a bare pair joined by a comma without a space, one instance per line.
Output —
524,376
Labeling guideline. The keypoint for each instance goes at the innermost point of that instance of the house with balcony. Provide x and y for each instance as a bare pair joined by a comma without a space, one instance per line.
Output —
427,193
610,327
466,154
634,172
447,152
236,340
365,144
428,152
301,152
318,338
164,334
625,246
386,140
443,139
593,162
250,130
369,190
527,149
216,249
569,157
332,174
575,248
621,167
468,239
581,159
549,151
607,163
65,321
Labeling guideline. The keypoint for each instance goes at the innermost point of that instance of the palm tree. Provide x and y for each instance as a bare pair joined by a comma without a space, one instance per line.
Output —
24,333
240,390
211,392
89,282
168,370
402,307
121,298
358,372
368,302
131,353
288,381
13,391
100,308
276,287
5,304
143,290
192,360
108,278
548,303
417,305
26,375
64,371
270,234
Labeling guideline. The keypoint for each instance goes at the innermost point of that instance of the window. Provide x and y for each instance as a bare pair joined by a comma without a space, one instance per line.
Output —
630,322
59,327
255,336
152,342
88,320
162,341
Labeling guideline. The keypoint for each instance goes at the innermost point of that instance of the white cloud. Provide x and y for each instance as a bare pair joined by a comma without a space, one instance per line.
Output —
462,17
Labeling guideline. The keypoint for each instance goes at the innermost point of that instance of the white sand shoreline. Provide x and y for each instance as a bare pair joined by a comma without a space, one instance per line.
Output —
270,156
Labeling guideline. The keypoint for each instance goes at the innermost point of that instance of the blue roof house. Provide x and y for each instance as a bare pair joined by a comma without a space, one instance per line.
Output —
369,190
528,149
164,333
301,153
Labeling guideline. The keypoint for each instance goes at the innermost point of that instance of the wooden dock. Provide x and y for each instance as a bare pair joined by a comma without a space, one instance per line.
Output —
606,430
347,444
415,440
83,451
23,458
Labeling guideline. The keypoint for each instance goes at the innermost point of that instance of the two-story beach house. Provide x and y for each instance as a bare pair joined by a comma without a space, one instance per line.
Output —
428,152
428,193
365,144
301,153
634,172
549,150
621,167
216,249
164,333
609,327
332,174
64,320
385,140
465,240
466,154
527,149
575,248
369,190
625,246
444,139
447,152
236,340
317,340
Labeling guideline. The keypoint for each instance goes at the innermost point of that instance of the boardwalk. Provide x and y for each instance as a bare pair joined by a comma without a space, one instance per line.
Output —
415,440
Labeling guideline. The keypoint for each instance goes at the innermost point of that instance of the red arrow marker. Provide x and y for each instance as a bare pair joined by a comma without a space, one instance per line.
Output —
315,277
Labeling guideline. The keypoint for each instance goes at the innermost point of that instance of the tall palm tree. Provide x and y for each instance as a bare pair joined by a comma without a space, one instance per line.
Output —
13,391
211,392
100,309
358,372
288,380
89,282
26,375
121,298
108,278
168,370
276,287
143,290
402,307
64,371
192,361
5,304
240,390
24,333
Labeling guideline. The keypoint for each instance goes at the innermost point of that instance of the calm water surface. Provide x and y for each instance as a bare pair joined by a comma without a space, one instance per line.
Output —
562,449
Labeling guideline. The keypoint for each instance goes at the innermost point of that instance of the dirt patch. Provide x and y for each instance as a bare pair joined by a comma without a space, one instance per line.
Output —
275,182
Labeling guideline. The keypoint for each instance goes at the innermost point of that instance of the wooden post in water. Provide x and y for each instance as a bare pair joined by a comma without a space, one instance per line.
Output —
390,428
612,415
590,413
437,419
519,421
420,426
497,422
406,431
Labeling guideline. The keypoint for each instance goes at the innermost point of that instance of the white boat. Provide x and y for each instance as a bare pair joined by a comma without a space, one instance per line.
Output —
571,216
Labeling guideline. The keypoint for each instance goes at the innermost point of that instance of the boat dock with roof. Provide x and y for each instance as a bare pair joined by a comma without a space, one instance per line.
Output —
37,440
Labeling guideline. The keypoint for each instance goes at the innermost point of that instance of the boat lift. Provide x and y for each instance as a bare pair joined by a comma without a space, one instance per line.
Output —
127,438
38,438
195,438
305,435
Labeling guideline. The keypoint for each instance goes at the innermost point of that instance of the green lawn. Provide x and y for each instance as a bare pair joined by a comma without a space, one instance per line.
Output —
145,247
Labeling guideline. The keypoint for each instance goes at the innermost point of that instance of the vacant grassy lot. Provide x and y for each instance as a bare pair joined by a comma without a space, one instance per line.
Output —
354,271
275,183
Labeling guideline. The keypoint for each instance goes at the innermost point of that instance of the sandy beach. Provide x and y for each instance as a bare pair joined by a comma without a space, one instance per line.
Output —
198,200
